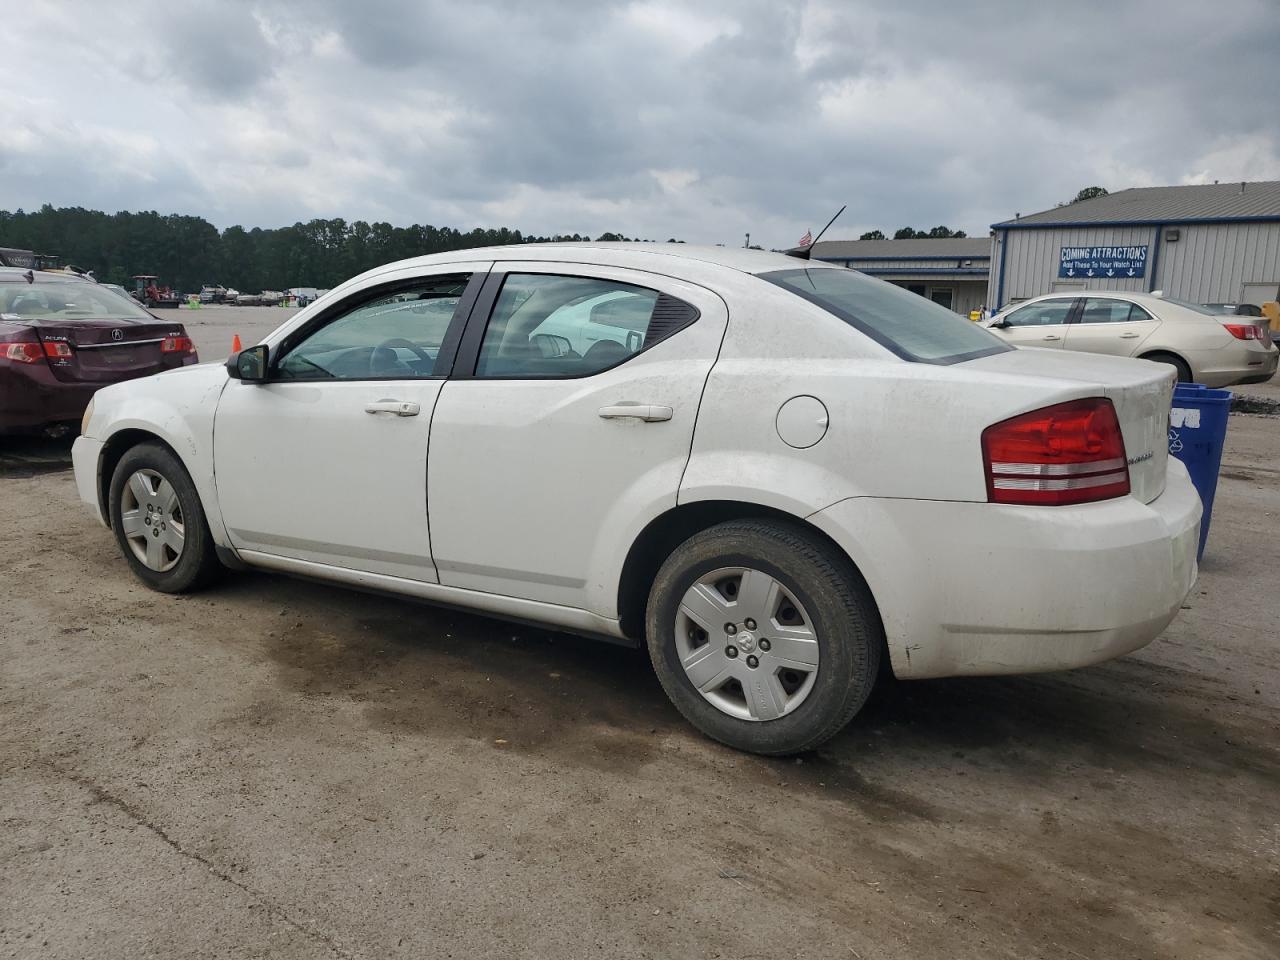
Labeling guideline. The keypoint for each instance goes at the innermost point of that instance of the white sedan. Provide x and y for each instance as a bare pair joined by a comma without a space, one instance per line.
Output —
775,473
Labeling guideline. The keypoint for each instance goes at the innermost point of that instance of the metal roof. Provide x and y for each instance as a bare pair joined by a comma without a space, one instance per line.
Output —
965,248
1214,201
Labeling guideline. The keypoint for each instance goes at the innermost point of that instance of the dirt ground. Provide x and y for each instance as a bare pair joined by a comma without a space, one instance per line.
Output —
212,327
276,768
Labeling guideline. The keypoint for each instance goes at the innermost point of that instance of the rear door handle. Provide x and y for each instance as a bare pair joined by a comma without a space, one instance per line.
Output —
1052,336
648,412
401,408
1128,336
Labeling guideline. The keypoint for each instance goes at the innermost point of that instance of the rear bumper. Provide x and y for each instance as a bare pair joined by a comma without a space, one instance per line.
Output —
32,398
86,460
985,589
1236,364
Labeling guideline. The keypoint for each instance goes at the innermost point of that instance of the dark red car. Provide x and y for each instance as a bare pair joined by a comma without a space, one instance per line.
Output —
62,337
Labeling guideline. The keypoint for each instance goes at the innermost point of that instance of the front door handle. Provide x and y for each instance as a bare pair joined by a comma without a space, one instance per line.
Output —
1128,336
1052,336
401,408
648,412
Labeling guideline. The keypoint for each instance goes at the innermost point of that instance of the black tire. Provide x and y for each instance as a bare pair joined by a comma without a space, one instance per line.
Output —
1178,364
197,563
844,617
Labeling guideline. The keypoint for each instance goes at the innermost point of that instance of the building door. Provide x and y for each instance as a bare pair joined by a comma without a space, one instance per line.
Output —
1260,293
942,296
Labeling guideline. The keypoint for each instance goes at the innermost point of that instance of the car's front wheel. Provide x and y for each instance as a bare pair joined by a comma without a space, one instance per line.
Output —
764,636
159,522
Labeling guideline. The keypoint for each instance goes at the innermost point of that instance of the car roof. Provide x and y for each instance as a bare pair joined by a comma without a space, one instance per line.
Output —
626,254
15,274
1142,298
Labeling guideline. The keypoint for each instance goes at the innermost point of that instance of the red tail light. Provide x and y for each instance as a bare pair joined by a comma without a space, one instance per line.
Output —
1069,453
57,348
1245,331
177,345
24,352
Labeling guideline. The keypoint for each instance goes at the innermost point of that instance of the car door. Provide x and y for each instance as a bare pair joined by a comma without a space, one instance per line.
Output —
1110,325
326,461
547,460
1040,324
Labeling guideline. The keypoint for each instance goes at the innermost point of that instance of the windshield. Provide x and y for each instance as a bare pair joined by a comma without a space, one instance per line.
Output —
78,300
912,327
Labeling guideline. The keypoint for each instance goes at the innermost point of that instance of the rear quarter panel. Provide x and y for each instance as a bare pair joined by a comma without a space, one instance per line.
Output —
896,429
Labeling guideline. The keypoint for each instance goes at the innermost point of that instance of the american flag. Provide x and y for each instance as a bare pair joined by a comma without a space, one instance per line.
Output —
806,239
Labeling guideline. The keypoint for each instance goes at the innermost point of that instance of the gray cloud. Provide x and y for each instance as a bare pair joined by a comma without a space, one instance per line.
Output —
654,117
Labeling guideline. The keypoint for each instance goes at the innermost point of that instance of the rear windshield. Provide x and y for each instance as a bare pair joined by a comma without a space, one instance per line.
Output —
904,322
81,300
1206,309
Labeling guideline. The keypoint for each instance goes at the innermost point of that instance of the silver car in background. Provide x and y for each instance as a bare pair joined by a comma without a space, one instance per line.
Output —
1203,345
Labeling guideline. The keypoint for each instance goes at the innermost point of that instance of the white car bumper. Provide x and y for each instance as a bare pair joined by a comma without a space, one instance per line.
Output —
85,457
984,589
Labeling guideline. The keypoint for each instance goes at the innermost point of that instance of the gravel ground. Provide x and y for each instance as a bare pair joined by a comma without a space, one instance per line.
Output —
276,768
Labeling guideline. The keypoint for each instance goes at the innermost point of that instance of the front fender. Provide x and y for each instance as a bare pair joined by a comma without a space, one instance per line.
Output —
178,409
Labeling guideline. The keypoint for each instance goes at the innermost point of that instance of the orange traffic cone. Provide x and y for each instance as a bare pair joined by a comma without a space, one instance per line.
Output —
235,343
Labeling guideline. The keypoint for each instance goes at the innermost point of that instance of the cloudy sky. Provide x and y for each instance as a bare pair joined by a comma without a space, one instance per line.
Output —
654,118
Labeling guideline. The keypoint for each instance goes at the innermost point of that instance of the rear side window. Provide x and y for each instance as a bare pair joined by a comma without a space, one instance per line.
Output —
910,326
1105,310
545,325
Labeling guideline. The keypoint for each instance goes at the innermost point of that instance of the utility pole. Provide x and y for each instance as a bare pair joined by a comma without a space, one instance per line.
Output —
748,241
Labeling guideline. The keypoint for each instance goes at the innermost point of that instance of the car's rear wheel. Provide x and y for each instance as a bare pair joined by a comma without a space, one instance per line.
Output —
1179,365
764,636
159,522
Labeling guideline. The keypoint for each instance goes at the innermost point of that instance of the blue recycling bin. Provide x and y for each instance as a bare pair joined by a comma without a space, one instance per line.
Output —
1197,433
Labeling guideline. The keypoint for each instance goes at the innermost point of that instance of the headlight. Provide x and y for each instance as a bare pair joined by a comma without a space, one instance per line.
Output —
84,421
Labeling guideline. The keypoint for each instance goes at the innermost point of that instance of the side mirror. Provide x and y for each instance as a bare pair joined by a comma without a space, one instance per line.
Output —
1000,325
249,365
551,346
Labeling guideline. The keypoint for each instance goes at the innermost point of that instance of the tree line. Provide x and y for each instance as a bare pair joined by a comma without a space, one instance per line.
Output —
910,233
187,252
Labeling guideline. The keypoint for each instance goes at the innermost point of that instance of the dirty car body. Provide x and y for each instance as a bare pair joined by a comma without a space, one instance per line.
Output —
775,473
62,338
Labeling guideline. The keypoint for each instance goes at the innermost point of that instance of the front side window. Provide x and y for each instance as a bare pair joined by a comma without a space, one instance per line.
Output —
396,336
1046,313
1106,310
545,325
912,327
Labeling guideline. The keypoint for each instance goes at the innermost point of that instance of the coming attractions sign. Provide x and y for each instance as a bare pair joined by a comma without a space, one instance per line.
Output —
1124,262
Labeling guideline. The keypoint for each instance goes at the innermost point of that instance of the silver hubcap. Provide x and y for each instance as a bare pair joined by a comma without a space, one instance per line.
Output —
746,644
152,520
